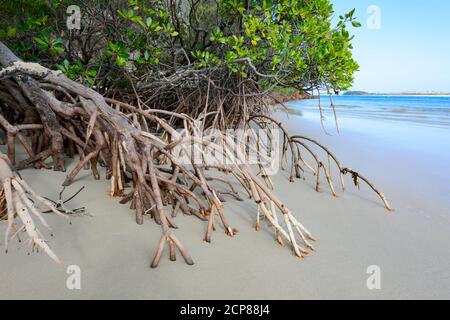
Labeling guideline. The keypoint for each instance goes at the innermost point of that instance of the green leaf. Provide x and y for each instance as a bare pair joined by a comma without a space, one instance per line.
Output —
149,22
58,50
58,42
11,32
113,46
91,72
120,61
108,53
41,42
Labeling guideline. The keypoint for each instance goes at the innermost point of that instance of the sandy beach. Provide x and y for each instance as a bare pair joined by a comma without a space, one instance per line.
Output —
411,245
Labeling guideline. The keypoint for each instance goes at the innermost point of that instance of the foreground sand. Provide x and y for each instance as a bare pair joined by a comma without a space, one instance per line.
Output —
411,245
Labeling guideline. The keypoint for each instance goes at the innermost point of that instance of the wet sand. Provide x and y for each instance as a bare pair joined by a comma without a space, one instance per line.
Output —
411,245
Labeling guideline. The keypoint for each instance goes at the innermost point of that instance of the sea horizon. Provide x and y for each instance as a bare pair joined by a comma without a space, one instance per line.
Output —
430,111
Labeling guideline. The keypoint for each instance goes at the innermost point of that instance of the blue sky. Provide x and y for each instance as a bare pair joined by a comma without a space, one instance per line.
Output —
411,50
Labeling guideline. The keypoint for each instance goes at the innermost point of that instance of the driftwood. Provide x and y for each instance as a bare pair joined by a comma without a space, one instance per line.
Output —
150,164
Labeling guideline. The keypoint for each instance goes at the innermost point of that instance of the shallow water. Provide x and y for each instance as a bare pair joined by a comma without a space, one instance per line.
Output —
431,111
409,136
419,123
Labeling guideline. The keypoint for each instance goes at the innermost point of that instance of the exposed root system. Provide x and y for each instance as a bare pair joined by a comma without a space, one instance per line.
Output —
160,161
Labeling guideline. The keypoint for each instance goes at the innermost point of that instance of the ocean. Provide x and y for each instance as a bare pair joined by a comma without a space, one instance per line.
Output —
431,111
401,141
421,123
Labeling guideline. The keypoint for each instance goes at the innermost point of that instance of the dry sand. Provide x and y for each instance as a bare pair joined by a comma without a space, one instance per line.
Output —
411,246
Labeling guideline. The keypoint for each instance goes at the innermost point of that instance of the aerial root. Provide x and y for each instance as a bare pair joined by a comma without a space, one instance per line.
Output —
356,176
174,244
297,143
19,204
141,151
20,208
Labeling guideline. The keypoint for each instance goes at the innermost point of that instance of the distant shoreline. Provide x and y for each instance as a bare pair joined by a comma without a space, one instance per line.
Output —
281,98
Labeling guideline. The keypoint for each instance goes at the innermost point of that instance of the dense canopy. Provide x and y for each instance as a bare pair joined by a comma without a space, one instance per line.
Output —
287,43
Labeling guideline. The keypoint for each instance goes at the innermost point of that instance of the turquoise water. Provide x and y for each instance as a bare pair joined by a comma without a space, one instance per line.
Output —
408,136
431,111
420,123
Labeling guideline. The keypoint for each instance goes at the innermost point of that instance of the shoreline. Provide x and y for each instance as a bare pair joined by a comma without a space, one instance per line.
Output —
354,231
